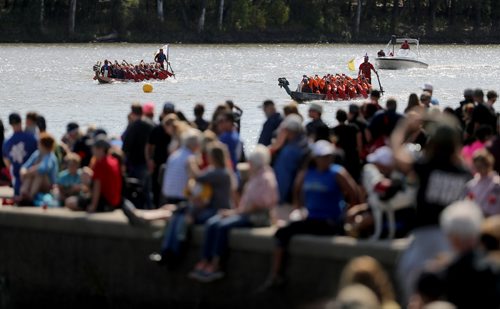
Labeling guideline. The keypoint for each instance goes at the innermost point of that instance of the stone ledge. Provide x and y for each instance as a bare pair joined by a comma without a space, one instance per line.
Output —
115,225
6,192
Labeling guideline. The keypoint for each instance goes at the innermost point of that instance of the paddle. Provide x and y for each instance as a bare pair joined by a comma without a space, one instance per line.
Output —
171,69
168,62
379,84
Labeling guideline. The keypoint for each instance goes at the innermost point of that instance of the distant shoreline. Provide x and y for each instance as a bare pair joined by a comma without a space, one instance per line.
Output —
250,38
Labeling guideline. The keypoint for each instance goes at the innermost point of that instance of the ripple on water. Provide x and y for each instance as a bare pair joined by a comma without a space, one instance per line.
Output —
58,81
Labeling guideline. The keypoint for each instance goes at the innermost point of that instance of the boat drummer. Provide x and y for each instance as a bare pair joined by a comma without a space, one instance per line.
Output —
365,69
160,58
106,69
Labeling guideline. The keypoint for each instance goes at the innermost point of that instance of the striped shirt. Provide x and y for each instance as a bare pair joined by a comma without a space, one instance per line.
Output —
176,174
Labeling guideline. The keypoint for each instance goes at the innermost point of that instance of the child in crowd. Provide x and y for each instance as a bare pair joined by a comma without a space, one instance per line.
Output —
106,192
39,173
484,189
69,180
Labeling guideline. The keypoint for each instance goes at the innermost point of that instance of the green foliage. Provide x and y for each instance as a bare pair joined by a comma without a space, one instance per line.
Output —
278,13
309,19
241,14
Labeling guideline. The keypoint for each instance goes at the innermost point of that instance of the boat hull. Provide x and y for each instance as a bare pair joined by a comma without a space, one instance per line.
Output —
307,96
399,63
106,80
303,96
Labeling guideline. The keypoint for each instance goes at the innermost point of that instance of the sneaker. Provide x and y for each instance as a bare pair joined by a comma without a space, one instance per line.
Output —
157,258
196,274
208,277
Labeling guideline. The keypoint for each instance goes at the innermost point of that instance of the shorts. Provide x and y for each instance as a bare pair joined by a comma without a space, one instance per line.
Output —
102,206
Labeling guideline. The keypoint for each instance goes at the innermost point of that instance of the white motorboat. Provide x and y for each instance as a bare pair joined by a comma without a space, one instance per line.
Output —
403,58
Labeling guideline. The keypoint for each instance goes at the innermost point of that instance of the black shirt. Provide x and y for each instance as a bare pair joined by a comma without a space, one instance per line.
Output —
361,125
82,148
268,129
160,139
313,125
134,142
383,123
346,136
472,282
201,124
440,184
485,115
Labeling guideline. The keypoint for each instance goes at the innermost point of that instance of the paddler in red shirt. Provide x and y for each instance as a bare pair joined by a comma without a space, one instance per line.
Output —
365,70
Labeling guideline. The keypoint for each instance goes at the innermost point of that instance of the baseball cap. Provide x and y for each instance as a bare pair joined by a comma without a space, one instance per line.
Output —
316,107
382,156
322,148
15,118
168,107
71,127
427,87
148,108
97,134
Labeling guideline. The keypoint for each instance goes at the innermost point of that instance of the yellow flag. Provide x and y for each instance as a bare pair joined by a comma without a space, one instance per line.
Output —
351,65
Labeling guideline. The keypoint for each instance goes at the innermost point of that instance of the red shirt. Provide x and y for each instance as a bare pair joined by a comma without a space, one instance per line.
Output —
107,171
366,68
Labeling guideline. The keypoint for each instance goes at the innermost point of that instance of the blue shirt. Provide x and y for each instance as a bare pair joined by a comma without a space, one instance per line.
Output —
18,149
272,123
287,164
65,179
234,145
47,164
323,198
161,58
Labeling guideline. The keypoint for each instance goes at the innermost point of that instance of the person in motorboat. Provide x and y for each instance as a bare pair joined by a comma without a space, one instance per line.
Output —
161,58
405,45
365,69
381,53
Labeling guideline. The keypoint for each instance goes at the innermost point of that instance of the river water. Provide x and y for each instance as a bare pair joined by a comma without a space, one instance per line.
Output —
56,79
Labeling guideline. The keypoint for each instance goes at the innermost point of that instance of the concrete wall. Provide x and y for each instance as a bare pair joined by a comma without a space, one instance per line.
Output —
58,258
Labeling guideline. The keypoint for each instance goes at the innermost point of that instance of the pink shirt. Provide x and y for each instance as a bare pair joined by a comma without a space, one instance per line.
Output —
485,191
468,151
261,191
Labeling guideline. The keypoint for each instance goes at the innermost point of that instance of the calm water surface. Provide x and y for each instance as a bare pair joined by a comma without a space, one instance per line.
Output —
56,80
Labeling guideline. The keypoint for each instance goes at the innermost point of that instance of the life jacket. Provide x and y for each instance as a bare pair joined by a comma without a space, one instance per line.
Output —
322,85
362,91
341,91
352,92
311,84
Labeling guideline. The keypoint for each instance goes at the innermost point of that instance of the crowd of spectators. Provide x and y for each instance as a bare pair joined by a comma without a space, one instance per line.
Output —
429,172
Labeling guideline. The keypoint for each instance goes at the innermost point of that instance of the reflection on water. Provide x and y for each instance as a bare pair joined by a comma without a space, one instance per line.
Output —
56,80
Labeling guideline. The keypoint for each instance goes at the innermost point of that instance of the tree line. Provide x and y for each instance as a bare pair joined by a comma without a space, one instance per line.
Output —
249,20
